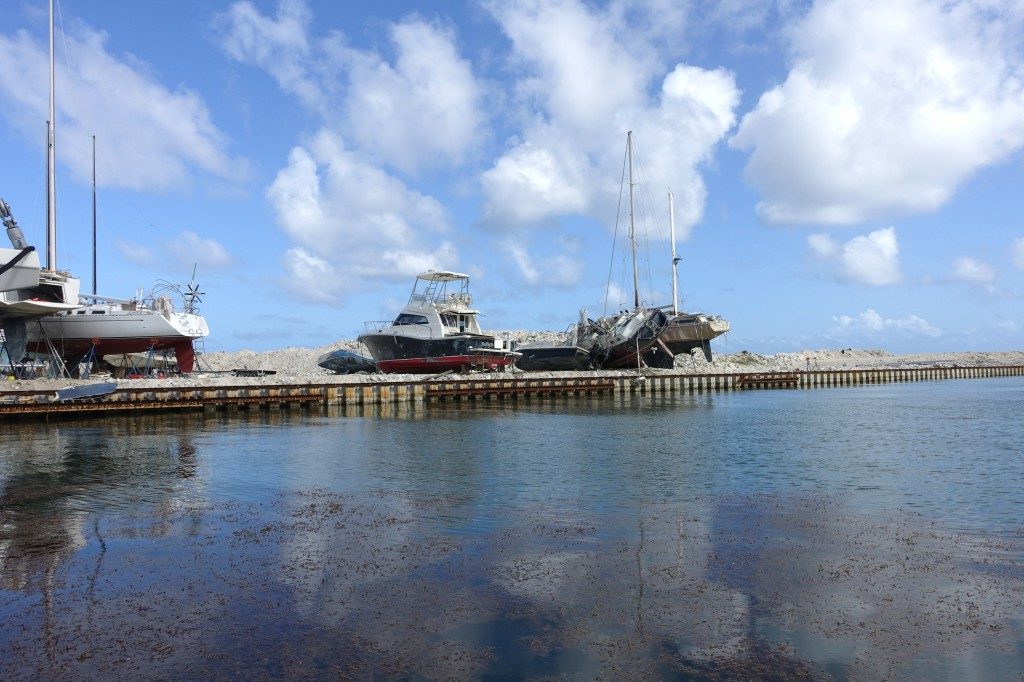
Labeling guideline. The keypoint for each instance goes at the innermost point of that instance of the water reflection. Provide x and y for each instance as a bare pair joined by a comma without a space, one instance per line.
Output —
698,537
54,477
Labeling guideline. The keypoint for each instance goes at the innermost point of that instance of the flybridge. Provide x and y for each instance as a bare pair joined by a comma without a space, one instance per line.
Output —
444,288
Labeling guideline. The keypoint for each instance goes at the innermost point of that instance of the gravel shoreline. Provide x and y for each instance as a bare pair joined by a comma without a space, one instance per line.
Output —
299,365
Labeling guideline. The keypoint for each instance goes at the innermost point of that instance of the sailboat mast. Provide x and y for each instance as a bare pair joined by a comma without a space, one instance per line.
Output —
632,226
675,258
51,171
93,215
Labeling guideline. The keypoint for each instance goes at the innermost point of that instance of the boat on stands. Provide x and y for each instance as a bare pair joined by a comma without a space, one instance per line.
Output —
60,319
685,332
54,290
688,332
27,290
619,341
552,357
436,331
108,326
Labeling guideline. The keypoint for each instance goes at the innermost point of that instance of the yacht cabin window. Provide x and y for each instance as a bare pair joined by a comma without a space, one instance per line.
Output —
406,318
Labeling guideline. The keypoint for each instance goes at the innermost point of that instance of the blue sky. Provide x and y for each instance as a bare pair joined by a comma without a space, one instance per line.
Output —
847,174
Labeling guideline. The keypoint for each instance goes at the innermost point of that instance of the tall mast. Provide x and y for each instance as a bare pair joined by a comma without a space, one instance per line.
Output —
51,171
632,228
675,258
94,215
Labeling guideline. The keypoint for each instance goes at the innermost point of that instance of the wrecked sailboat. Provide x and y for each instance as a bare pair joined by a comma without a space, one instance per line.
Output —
437,331
685,332
619,341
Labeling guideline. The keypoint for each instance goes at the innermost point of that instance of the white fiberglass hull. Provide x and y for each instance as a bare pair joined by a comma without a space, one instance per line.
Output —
54,292
89,325
689,328
23,272
111,330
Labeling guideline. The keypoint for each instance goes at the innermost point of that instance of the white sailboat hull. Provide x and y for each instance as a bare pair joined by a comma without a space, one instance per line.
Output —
108,328
115,329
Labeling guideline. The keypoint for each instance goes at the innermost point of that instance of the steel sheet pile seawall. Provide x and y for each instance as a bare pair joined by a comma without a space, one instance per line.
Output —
38,403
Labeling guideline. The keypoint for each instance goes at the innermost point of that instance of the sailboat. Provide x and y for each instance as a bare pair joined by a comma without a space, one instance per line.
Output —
112,326
619,341
47,290
685,332
75,325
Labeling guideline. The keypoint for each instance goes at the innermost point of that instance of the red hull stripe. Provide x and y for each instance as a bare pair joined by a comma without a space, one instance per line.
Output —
428,365
72,349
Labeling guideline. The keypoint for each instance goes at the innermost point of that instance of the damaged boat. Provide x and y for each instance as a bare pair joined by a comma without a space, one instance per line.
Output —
624,340
685,332
619,341
556,357
437,331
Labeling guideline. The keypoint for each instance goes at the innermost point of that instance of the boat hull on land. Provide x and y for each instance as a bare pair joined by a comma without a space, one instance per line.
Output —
552,358
437,331
112,330
394,353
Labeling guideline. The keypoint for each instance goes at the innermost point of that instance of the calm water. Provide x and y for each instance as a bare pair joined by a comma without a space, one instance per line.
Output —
845,533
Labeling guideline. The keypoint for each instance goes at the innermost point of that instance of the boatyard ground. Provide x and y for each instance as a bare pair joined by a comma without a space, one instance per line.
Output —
298,365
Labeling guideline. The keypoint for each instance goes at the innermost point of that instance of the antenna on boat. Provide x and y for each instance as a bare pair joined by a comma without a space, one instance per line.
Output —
93,215
51,171
675,257
632,227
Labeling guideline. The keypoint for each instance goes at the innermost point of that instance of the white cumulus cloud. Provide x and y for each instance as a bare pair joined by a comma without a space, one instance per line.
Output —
557,270
348,214
1018,253
279,45
420,112
583,80
311,278
888,107
343,203
150,138
870,324
871,259
974,271
189,248
977,273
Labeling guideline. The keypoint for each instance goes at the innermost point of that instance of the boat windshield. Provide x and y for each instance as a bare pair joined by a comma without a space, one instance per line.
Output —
406,318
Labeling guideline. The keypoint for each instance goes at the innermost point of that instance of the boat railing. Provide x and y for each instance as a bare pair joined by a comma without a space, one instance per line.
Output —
377,325
461,300
91,298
